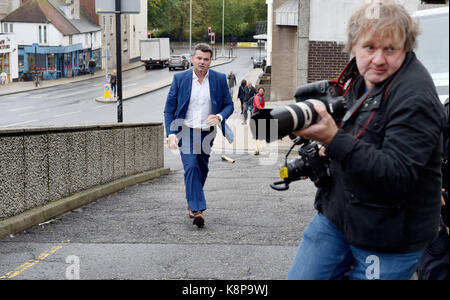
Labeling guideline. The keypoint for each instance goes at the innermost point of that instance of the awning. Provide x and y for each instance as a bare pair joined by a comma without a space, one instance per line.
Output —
53,50
260,37
287,14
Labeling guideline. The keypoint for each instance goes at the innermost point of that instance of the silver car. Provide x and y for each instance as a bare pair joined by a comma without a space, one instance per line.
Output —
178,61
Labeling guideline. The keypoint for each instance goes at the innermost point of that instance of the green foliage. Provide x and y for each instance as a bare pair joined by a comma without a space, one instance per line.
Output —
170,18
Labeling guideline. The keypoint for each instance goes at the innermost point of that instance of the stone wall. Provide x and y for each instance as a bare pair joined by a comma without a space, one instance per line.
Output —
43,164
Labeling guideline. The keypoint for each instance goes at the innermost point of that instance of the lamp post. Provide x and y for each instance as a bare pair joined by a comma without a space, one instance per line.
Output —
190,27
223,28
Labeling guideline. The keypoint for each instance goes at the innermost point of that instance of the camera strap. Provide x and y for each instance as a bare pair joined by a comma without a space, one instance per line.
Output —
346,79
356,106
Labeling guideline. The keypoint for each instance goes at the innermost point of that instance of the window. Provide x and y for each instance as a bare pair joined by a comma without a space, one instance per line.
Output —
70,40
111,27
40,34
45,34
11,27
5,28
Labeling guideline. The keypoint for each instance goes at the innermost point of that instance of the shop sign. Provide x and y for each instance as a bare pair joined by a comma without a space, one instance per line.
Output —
4,46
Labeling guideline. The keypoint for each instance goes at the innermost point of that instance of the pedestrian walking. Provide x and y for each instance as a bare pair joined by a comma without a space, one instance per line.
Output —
92,65
113,82
258,104
250,91
231,82
241,94
198,100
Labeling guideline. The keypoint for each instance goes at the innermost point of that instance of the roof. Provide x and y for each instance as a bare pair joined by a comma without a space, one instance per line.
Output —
83,24
49,11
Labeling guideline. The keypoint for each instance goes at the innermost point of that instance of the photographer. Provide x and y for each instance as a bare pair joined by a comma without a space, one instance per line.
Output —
381,208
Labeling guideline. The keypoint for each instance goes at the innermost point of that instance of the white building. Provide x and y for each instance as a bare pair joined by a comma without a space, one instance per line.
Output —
134,28
138,30
53,38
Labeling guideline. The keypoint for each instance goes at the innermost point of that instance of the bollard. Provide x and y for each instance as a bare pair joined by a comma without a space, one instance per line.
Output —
107,91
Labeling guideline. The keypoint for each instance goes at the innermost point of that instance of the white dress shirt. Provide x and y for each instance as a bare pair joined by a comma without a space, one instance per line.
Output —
200,106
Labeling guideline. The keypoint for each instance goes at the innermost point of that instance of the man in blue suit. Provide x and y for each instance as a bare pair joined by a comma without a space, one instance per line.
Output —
198,100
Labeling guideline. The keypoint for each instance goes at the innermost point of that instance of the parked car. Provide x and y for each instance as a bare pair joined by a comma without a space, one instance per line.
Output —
189,57
258,60
178,61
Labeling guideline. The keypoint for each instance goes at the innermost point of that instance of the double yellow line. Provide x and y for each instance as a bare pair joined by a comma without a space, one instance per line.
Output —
30,263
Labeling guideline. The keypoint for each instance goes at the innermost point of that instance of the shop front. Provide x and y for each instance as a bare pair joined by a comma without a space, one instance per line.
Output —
8,59
56,62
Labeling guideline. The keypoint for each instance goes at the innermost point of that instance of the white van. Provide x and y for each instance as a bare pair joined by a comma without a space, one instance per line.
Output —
433,46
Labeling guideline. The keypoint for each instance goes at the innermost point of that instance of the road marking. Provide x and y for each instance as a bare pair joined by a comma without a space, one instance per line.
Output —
34,112
101,106
21,108
30,263
128,85
21,123
68,114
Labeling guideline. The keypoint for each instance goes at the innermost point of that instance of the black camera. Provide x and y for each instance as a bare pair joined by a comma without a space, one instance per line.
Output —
310,164
271,124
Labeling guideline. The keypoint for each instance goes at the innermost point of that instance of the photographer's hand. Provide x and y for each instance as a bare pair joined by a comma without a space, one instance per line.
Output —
323,131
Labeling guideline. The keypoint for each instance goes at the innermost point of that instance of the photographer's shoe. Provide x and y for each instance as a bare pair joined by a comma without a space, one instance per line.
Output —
198,219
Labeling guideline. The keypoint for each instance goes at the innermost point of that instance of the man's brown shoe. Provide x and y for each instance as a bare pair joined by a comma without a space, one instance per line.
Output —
198,219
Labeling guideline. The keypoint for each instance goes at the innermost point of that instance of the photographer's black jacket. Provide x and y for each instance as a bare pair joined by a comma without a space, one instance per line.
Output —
385,164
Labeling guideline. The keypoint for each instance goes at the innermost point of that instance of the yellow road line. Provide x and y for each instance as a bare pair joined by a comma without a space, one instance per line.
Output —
30,263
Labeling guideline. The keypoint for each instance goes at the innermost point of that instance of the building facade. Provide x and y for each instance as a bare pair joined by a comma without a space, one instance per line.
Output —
54,38
308,41
133,29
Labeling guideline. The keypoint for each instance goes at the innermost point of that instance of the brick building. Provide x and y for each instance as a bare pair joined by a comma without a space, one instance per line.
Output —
308,40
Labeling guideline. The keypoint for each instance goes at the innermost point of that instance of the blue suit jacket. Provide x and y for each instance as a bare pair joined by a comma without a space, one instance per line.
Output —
179,96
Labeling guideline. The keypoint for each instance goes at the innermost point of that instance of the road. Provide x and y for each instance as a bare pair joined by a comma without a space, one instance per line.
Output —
73,104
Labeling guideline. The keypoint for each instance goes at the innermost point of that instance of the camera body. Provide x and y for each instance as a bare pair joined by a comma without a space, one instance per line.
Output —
299,115
276,123
309,164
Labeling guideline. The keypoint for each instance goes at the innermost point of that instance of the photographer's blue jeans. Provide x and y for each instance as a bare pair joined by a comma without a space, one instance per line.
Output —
324,254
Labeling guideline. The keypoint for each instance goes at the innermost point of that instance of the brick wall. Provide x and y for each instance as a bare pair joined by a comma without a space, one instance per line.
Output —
326,60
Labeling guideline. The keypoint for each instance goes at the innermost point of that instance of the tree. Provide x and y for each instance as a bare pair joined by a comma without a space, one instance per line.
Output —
171,18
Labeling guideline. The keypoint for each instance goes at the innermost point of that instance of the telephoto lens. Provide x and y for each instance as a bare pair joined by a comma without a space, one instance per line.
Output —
271,124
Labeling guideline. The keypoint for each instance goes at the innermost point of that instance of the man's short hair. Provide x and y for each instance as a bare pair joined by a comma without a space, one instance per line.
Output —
204,48
386,18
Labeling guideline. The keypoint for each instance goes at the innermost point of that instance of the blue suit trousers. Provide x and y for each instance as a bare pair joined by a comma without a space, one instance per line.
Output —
195,148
